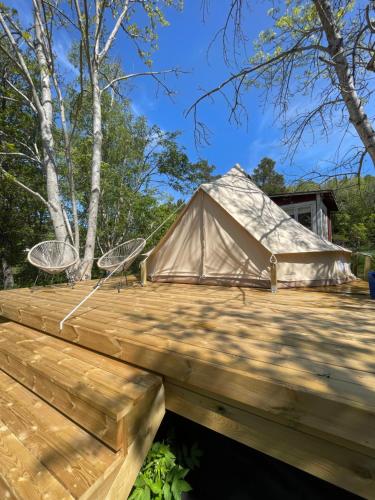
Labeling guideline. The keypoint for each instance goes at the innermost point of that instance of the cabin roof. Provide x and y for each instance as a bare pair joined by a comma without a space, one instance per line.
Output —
328,197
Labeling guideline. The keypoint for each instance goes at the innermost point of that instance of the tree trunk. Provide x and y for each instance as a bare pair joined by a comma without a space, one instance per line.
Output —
348,91
69,163
88,259
46,127
7,274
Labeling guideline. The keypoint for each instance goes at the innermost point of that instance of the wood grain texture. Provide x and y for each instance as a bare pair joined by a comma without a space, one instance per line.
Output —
43,454
336,464
122,480
97,394
302,360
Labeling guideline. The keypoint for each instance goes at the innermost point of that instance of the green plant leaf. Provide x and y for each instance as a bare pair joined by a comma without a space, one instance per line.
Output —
146,493
179,486
137,494
155,485
167,494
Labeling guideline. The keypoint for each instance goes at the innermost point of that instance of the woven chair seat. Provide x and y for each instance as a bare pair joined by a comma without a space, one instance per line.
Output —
53,256
122,256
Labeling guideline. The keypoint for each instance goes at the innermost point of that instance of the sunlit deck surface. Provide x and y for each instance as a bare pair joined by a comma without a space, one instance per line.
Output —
291,374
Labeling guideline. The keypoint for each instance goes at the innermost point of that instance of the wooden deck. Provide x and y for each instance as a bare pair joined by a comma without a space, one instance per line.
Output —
290,374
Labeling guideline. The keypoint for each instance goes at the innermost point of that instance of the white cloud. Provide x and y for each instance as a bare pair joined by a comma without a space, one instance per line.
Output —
62,48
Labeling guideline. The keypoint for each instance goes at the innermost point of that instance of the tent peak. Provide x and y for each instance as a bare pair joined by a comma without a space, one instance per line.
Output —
236,172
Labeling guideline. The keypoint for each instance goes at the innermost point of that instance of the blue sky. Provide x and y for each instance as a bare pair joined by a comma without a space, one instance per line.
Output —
184,45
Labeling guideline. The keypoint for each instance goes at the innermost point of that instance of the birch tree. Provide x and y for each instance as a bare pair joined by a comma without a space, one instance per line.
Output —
315,65
95,25
141,163
97,40
22,215
40,101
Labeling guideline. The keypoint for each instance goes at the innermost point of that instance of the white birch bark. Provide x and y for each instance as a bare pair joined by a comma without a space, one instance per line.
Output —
46,128
348,91
8,278
98,57
69,162
92,217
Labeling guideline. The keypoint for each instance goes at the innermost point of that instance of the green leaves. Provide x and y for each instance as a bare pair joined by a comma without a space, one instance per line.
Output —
141,163
179,485
267,178
161,478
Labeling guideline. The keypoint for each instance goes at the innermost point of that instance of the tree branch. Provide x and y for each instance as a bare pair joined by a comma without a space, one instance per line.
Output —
370,23
84,37
62,14
246,71
23,155
29,102
11,177
113,34
143,73
22,64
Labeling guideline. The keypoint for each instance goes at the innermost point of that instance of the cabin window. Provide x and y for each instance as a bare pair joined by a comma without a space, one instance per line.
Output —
304,217
302,213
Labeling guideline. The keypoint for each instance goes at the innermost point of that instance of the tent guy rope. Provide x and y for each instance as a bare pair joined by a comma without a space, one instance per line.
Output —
126,261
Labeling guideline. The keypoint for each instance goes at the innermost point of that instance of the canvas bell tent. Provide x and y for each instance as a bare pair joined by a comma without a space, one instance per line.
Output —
231,231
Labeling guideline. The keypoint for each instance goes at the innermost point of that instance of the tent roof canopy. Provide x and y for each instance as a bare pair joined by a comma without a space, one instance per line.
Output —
261,217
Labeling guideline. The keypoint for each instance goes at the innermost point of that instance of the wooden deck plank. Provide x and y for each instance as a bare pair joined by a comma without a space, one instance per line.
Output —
102,401
236,319
16,462
300,360
238,345
235,322
115,382
123,480
39,440
327,373
189,300
321,458
300,408
226,360
338,326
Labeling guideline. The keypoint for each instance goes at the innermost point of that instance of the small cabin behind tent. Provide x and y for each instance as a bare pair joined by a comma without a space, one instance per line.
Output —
312,209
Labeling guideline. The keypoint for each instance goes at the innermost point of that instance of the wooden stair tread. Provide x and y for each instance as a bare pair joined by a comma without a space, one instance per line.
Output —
42,453
96,392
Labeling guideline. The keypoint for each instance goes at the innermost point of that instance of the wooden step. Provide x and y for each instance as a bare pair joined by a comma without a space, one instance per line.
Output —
104,396
45,455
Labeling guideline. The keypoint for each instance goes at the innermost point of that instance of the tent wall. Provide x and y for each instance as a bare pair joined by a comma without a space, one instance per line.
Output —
180,250
209,246
309,269
231,253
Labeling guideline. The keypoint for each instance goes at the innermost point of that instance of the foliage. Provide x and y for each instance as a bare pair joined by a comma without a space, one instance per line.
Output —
142,167
267,178
23,218
161,477
311,98
354,224
30,45
370,224
358,235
